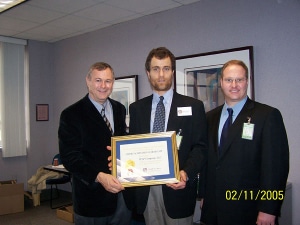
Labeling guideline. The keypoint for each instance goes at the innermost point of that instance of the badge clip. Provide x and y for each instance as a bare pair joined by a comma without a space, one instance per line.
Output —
178,138
249,119
179,132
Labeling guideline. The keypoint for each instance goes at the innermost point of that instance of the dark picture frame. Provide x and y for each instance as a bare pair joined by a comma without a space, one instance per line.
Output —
42,112
125,90
198,75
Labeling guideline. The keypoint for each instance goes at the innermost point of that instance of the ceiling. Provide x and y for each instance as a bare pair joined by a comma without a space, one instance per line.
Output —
54,20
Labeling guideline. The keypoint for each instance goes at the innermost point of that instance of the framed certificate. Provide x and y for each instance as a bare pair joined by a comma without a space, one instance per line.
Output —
145,159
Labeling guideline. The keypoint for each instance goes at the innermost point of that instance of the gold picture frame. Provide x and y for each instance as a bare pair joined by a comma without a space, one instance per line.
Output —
145,159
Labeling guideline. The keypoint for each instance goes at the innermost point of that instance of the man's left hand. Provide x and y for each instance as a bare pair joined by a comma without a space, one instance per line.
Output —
182,183
265,219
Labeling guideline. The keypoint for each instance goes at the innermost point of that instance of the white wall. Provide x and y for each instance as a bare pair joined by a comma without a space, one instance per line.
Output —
272,27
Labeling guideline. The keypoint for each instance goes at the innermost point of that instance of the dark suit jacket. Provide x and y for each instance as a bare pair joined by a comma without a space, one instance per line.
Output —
192,153
245,167
83,137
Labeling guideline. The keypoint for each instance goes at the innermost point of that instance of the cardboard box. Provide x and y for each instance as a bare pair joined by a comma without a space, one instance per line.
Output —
66,213
11,197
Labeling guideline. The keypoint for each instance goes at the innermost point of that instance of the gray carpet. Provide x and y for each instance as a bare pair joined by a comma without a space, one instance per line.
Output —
42,214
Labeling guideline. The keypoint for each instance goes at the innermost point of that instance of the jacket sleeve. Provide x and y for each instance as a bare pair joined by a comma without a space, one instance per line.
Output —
274,164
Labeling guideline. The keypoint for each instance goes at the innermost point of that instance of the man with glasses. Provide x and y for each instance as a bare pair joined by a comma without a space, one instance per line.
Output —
171,203
248,157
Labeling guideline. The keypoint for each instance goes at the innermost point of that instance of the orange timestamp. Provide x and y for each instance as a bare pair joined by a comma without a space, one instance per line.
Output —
261,195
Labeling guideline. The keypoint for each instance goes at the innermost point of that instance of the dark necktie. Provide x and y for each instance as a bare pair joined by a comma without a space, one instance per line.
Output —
225,129
159,119
105,119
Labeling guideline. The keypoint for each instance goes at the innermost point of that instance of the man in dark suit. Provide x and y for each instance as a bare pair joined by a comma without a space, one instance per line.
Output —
171,203
85,131
247,172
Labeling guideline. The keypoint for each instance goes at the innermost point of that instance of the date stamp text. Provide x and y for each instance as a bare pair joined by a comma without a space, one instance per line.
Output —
261,195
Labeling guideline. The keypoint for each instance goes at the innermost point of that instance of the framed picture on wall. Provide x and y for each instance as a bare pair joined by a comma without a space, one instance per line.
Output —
125,90
42,112
199,75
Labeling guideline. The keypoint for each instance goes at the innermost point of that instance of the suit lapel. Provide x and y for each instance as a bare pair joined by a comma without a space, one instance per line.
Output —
214,129
174,120
146,114
92,112
173,113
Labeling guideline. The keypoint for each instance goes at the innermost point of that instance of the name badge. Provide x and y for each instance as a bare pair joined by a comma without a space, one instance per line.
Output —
184,111
248,131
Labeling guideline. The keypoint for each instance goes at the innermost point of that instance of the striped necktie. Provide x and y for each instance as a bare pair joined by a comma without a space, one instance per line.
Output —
159,119
105,119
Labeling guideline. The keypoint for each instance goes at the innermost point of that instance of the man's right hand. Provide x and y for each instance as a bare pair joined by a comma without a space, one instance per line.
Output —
110,183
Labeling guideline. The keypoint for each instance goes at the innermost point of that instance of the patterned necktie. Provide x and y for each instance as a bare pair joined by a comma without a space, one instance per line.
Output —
105,119
159,119
225,129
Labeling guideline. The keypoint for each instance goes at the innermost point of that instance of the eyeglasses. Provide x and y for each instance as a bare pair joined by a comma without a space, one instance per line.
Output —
165,69
237,80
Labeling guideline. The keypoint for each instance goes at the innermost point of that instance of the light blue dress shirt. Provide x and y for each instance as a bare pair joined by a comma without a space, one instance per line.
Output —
224,114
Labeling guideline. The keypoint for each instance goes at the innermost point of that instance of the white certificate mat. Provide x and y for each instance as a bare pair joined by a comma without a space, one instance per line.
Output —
145,159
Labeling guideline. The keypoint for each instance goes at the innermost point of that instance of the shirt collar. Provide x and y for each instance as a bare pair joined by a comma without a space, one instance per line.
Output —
167,96
236,108
97,104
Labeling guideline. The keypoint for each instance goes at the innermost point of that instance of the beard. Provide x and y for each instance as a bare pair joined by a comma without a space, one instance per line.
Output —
161,86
